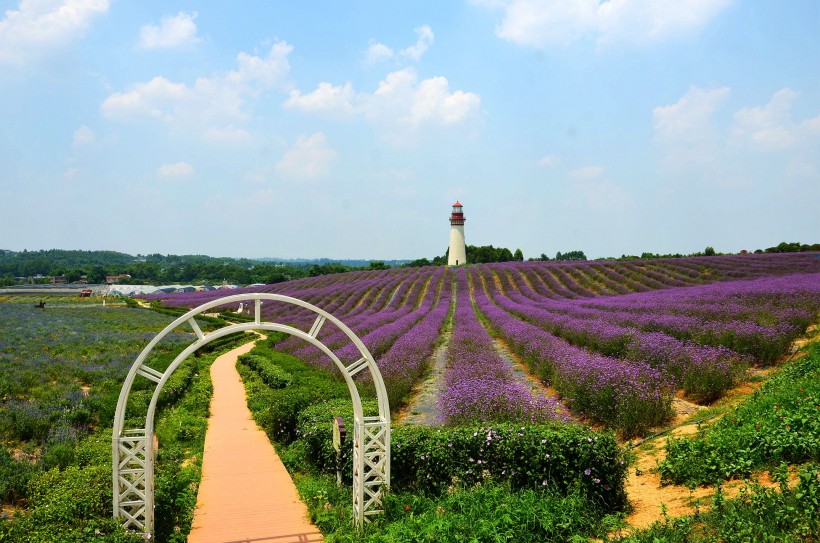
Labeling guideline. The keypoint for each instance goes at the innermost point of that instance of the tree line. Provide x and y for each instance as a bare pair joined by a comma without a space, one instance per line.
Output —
782,247
156,269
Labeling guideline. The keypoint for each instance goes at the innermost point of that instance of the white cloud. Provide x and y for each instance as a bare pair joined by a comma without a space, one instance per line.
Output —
172,32
545,23
548,161
178,169
587,172
771,126
309,159
226,134
158,99
400,100
690,119
754,147
378,52
83,136
426,39
209,104
40,28
652,21
687,132
541,24
326,98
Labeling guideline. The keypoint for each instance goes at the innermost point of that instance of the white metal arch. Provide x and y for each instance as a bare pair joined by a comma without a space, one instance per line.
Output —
133,449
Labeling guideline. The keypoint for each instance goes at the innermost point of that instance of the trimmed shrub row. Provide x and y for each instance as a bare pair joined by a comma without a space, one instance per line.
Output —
271,374
277,410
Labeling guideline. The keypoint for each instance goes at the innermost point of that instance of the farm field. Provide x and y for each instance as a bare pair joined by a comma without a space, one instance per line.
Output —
611,343
555,363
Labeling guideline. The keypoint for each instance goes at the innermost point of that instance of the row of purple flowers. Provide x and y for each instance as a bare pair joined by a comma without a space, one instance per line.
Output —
617,359
627,395
480,386
758,318
703,372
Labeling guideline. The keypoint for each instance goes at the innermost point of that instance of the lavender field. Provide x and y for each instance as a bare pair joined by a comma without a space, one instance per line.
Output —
612,342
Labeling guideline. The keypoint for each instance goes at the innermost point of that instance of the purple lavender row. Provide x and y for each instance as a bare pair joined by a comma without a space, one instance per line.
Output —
759,318
704,373
361,324
368,325
391,328
626,395
408,358
785,314
480,386
361,320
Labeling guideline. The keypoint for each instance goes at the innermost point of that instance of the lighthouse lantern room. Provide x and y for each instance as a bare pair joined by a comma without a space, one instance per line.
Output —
457,255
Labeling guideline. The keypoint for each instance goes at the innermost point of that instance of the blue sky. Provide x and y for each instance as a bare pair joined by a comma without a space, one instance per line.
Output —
347,129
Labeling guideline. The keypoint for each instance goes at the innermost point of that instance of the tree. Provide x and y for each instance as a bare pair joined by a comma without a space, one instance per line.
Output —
784,247
709,251
96,274
518,256
571,255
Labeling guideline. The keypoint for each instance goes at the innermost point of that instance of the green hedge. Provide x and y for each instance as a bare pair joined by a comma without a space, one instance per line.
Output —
277,410
436,460
68,506
561,457
491,511
315,432
270,373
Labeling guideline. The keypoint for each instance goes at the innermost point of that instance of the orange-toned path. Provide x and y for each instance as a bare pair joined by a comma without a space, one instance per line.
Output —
245,496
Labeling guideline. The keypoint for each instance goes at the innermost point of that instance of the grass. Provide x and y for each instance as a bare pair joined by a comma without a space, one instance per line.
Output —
778,423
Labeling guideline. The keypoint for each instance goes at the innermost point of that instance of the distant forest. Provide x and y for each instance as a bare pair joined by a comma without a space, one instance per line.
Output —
157,269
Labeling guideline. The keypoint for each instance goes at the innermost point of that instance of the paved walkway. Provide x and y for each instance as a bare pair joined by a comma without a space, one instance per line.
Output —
245,496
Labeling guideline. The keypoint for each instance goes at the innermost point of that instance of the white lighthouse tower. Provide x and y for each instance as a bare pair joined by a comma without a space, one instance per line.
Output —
457,255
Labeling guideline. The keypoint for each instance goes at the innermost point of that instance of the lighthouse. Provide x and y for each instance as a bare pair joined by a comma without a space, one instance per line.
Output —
457,255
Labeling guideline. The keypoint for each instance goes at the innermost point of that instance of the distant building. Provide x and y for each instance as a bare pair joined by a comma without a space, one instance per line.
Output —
457,255
114,279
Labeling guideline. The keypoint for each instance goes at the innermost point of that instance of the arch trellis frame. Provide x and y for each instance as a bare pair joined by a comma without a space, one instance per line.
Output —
133,448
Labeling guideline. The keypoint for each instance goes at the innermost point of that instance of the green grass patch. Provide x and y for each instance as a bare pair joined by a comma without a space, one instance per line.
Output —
778,423
491,511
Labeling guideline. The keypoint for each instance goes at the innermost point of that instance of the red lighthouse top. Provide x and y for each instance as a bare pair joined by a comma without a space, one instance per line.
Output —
457,217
